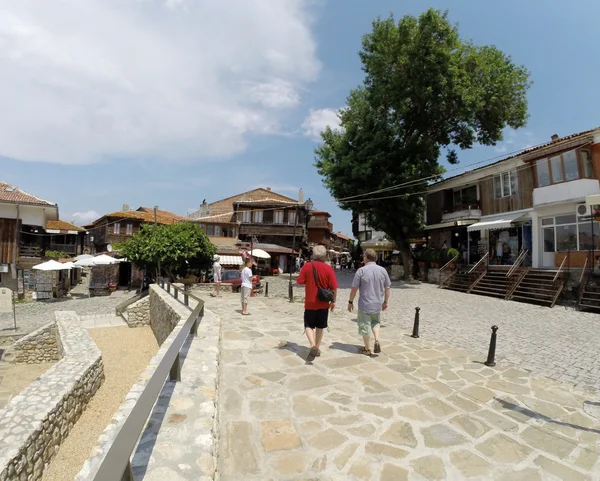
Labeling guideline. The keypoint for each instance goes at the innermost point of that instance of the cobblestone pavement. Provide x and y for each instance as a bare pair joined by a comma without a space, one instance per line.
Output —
560,343
422,409
32,315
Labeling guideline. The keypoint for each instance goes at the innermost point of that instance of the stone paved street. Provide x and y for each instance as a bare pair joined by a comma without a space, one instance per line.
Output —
422,409
560,343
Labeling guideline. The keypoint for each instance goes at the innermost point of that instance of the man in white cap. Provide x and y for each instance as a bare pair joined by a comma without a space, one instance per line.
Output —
216,277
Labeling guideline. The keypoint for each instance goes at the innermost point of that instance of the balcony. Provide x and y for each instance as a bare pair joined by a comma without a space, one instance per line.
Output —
30,251
565,191
271,229
462,212
320,224
70,249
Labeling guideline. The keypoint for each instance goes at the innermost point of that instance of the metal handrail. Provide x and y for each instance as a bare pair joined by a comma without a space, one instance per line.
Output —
583,271
487,254
517,263
560,268
449,262
116,465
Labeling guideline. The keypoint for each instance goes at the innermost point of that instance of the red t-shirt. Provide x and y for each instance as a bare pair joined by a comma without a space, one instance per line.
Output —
327,280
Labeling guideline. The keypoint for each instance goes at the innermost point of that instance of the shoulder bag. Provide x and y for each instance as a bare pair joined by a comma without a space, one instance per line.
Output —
323,294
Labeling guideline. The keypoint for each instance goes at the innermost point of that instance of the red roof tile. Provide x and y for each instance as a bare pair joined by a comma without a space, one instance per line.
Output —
13,195
61,225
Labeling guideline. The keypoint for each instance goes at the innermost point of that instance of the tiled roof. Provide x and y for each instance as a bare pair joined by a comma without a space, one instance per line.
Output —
320,212
13,195
256,195
61,225
144,214
221,218
528,153
267,200
164,216
341,236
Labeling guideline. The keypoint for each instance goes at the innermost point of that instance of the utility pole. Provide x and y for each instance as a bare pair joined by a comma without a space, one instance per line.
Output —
290,288
155,224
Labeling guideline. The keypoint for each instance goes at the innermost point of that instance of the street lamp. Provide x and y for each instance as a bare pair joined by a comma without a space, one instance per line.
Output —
308,205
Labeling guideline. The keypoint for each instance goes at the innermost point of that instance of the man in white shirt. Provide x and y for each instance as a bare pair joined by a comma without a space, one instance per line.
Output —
246,287
216,277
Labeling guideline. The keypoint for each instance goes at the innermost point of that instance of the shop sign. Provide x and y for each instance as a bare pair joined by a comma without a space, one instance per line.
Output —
6,300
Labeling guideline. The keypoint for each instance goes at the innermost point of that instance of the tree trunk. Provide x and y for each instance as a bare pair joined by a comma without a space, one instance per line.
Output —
407,262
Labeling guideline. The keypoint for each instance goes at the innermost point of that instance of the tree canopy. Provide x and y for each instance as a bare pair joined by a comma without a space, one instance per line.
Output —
178,248
425,91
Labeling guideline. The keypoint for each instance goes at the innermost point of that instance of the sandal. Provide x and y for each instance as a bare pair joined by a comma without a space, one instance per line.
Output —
377,348
365,351
314,351
318,352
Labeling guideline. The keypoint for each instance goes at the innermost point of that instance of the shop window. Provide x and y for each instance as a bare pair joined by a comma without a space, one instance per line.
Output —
117,228
505,184
258,216
566,237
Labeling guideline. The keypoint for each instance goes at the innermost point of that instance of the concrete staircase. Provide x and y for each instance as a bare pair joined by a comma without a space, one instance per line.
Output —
493,284
539,287
590,298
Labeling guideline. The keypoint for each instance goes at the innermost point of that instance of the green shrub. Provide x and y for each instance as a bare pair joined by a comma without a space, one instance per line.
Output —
57,255
452,253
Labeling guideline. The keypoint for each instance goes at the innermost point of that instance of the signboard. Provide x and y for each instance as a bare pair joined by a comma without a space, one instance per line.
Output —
6,300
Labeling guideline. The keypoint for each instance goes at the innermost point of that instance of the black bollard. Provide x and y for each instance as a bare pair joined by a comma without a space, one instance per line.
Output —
267,289
415,333
492,352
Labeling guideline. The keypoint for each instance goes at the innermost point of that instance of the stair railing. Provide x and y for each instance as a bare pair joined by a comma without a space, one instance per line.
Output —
582,281
445,267
562,265
480,262
514,281
517,263
479,271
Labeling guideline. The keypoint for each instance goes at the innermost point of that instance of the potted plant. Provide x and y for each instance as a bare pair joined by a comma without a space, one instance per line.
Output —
421,258
435,259
452,253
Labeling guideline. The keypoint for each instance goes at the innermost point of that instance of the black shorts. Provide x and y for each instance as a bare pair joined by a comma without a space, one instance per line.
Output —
316,319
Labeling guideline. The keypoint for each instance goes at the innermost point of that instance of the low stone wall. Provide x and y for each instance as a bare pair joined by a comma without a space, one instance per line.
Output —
138,313
225,287
41,345
35,422
162,303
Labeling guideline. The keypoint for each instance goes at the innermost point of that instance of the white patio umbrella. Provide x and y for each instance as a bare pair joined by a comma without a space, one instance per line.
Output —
259,253
104,260
71,265
85,262
51,266
84,256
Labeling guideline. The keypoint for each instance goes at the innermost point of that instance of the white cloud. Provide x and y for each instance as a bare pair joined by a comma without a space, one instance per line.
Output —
82,218
169,79
317,120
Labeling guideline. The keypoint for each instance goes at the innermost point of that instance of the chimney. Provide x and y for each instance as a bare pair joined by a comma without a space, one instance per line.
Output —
555,137
204,209
126,208
269,189
301,197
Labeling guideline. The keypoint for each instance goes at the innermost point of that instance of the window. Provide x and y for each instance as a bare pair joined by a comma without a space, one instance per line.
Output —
117,228
217,231
224,232
589,236
568,232
466,196
278,217
246,216
129,229
566,237
565,167
505,184
291,218
232,232
203,227
258,216
210,230
543,173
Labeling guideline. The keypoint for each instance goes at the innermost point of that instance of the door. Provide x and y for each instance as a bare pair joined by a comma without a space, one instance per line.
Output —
548,247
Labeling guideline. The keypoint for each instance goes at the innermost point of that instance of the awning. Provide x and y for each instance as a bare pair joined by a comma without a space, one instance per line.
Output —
499,222
448,225
231,260
593,199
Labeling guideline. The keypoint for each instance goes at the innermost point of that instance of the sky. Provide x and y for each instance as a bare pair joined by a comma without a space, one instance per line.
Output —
169,102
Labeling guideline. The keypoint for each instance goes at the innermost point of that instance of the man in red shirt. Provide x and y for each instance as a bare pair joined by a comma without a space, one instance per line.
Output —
316,311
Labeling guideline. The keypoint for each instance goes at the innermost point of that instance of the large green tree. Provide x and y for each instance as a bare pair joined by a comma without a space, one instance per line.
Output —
426,92
177,248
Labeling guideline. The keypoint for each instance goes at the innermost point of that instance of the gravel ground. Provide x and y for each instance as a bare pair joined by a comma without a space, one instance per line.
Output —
126,353
34,314
19,376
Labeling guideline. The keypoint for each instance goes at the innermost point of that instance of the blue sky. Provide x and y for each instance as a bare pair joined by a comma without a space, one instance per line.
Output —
169,102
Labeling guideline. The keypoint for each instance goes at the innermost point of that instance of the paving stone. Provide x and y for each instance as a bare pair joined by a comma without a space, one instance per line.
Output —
243,455
470,464
269,409
470,425
311,406
503,449
441,436
339,398
290,464
345,420
327,440
509,387
390,472
448,375
463,403
440,388
379,450
559,470
478,393
319,464
558,397
412,390
345,454
430,467
380,411
470,376
272,376
550,443
587,459
365,431
310,381
279,435
495,419
414,412
371,385
527,474
361,469
233,402
400,434
436,407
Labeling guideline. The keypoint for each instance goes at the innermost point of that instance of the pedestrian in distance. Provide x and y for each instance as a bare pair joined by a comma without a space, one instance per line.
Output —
246,287
320,296
373,283
217,272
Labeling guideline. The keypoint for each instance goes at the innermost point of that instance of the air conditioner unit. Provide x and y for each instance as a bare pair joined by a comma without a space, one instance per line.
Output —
584,210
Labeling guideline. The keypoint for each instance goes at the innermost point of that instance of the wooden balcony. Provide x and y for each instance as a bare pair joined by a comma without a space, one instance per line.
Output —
30,251
70,249
320,224
271,229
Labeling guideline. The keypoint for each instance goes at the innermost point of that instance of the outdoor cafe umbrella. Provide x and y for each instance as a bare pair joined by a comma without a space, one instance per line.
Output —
84,256
259,253
103,260
51,266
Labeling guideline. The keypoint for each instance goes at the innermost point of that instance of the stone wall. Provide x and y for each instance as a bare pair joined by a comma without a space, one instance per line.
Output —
176,313
208,287
41,345
35,422
138,313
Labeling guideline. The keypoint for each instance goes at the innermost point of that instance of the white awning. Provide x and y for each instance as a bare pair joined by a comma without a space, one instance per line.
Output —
503,221
450,224
231,260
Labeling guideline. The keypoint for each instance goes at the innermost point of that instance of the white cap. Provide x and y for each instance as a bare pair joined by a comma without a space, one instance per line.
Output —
216,257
